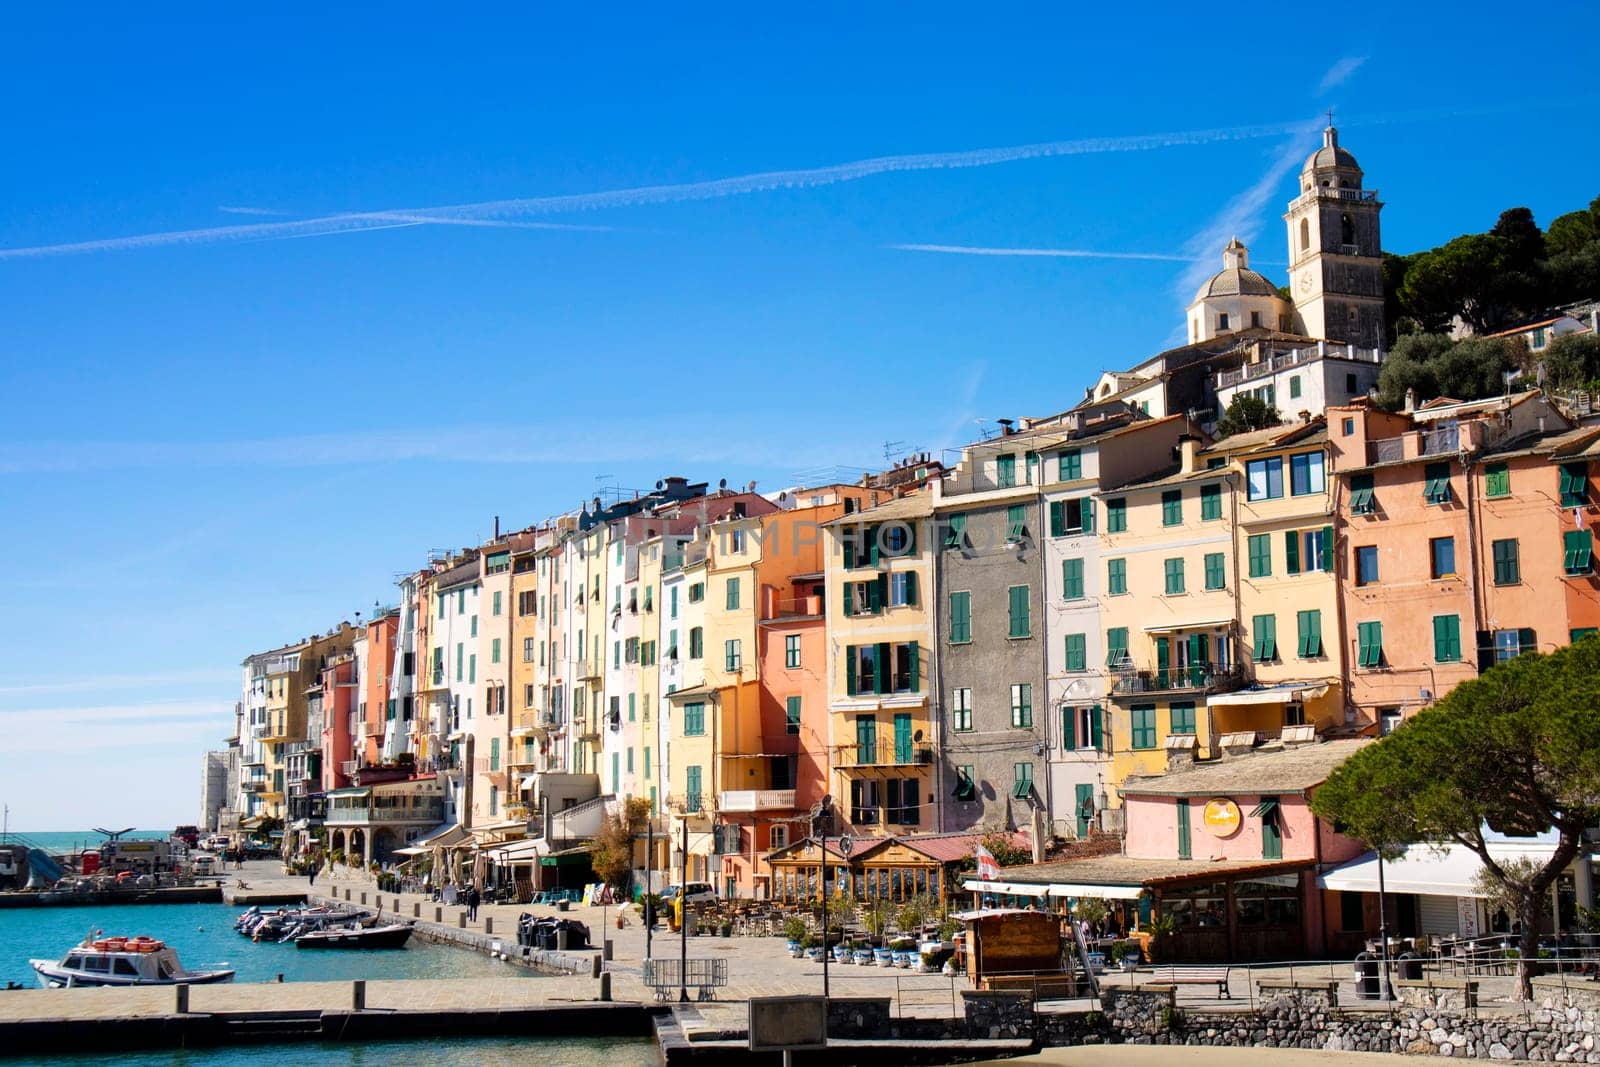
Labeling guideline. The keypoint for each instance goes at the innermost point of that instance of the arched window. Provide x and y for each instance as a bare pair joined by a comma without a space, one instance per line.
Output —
1305,235
1347,230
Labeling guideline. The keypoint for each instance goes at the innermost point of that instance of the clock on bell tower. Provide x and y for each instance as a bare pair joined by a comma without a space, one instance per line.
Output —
1335,254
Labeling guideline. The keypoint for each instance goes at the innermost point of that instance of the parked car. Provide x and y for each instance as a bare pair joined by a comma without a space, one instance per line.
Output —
693,893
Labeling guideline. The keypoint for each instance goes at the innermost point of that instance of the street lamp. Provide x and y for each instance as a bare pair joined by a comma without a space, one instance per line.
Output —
821,824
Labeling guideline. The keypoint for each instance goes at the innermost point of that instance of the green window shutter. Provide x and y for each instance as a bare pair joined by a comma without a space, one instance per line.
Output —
1069,728
1019,611
1116,646
850,670
1216,576
916,669
1142,719
1016,522
1172,507
878,594
1291,551
911,588
1185,846
1210,502
1369,644
494,753
733,594
1072,579
1096,727
1260,548
1574,484
1436,483
955,531
1077,652
1526,642
960,617
1070,468
1310,634
849,598
1265,630
1116,577
791,719
1180,718
1447,638
1361,498
1579,548
1507,562
1058,518
1174,576
1327,548
1117,515
880,674
1497,480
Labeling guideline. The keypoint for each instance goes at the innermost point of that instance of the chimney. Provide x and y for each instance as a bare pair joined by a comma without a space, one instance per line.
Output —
1180,750
1232,746
497,527
1305,415
1411,401
1188,450
1006,427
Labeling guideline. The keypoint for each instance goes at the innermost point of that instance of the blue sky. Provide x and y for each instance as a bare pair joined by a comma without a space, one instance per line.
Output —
218,442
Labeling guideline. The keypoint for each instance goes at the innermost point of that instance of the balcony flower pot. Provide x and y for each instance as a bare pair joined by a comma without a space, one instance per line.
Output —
883,957
794,949
863,957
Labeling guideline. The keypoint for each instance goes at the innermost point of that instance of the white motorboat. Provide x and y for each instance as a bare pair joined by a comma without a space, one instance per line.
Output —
121,961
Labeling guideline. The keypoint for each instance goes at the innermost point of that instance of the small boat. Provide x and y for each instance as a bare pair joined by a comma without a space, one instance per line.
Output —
390,935
121,961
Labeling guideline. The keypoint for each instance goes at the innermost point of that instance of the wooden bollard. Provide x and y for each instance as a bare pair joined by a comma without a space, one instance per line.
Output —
416,911
438,916
461,920
363,899
605,985
488,925
605,948
597,970
358,995
397,905
181,998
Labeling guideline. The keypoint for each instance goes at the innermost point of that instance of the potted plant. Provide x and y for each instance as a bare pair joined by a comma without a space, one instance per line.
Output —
794,930
841,951
725,928
862,953
1161,928
1126,955
813,949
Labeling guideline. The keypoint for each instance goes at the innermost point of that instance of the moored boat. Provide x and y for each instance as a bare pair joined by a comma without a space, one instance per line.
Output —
390,935
121,961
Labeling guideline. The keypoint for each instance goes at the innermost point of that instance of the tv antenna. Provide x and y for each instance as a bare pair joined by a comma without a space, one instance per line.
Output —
112,835
890,450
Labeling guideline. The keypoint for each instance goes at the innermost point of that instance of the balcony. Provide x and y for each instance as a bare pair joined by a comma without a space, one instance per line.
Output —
1196,678
687,804
1443,441
883,754
756,800
428,813
1328,192
588,670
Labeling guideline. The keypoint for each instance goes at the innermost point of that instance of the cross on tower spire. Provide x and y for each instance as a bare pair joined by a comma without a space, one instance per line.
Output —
1330,116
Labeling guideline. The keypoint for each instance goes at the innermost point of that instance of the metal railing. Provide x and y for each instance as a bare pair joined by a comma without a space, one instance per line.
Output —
1194,678
885,753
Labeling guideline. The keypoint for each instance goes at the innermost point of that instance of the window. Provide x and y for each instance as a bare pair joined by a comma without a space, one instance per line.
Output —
1264,479
1361,501
1348,426
1077,652
1369,644
1117,515
1210,502
960,618
791,650
1579,547
1172,507
731,660
1216,577
1447,638
1315,549
1509,644
1436,483
1507,562
1022,706
494,650
1260,554
1350,386
1574,485
691,788
1070,466
1143,721
1185,847
1117,647
1265,630
1580,633
864,802
1442,556
901,807
1016,522
649,598
966,783
791,715
1271,829
474,626
672,603
527,603
694,720
1496,480
902,589
697,642
697,592
1116,577
1306,474
495,610
1310,625
1222,322
1021,780
1071,516
1020,626
527,649
961,709
955,534
1174,574
866,739
733,594
1366,564
1294,386
1005,470
1072,579
1180,718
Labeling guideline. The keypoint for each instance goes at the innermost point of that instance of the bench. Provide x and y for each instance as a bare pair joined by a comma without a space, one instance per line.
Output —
1217,976
1041,987
664,975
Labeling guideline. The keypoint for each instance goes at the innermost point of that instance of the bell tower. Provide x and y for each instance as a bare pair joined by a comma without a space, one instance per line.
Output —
1335,254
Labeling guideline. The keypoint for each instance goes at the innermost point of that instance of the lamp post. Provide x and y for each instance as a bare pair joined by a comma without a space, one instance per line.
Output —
821,823
683,918
1383,932
649,905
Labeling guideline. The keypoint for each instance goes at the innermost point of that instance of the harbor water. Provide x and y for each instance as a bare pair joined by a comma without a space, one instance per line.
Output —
204,937
469,1052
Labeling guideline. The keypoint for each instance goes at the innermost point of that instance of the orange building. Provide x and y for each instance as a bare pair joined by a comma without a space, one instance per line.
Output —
378,709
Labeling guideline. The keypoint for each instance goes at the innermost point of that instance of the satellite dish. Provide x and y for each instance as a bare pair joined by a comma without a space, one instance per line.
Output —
722,483
660,484
846,845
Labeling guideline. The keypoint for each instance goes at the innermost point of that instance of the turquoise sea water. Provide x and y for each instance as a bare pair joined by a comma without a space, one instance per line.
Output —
204,936
57,841
472,1052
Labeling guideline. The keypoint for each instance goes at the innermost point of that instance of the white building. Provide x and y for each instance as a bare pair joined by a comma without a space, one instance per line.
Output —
1301,380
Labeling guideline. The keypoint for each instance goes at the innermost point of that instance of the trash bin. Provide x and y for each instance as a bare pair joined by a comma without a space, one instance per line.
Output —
561,938
1367,976
1410,966
563,905
691,921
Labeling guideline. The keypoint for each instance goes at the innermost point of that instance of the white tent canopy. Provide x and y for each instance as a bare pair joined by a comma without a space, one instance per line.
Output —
1277,694
1450,871
1056,889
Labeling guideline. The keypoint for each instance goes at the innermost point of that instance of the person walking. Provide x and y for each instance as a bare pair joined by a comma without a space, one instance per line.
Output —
311,874
472,904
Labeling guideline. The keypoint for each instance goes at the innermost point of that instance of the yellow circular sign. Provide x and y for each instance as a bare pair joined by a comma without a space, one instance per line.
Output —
1221,817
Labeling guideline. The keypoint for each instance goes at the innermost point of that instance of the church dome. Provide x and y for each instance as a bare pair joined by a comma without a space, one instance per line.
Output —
1235,278
1331,155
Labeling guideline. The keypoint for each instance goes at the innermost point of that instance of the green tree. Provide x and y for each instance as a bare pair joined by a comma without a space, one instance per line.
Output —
1473,277
1004,852
613,847
1569,232
1246,413
1575,275
1516,750
1409,365
1572,361
1432,365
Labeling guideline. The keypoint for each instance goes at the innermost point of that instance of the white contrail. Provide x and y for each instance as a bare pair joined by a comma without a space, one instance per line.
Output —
1340,73
661,194
1052,253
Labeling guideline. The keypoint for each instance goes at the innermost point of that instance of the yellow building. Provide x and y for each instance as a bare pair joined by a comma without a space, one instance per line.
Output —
286,722
1287,592
691,725
1170,612
880,581
528,729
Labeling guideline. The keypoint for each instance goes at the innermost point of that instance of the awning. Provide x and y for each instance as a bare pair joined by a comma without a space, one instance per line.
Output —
1267,807
1174,627
1276,694
1014,889
1448,872
412,851
526,851
1104,892
528,781
442,836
